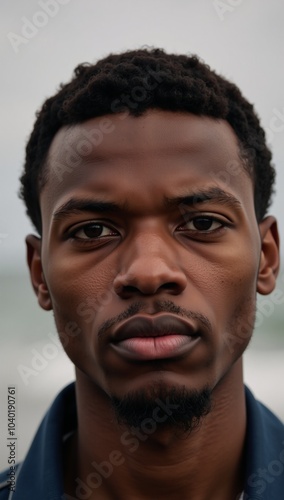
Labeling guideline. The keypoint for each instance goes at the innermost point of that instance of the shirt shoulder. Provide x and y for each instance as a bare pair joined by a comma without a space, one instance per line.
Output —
5,484
4,490
264,478
39,476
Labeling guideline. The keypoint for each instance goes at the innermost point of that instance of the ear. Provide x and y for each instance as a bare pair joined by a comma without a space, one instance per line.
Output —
269,259
36,272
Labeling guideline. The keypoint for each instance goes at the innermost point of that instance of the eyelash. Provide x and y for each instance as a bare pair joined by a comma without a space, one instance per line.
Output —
72,233
212,219
202,233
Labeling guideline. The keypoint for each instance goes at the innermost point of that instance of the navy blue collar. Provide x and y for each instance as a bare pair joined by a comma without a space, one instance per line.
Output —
264,453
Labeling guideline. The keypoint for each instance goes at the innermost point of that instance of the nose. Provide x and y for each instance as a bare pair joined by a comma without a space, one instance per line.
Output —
150,265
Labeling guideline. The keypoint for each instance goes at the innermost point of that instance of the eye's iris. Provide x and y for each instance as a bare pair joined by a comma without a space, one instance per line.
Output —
93,230
202,223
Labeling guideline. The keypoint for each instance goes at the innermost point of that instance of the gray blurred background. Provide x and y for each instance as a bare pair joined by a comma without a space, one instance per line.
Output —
41,43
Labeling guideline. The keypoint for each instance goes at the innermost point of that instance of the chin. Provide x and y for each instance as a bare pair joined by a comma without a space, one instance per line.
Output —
169,405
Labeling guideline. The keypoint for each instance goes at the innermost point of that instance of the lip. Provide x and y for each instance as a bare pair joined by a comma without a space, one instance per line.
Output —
160,336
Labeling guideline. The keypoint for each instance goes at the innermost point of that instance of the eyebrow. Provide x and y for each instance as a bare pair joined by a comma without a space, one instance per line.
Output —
76,206
214,194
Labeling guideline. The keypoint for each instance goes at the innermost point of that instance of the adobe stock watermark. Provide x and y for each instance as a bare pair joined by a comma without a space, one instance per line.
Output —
223,7
232,169
131,440
75,153
90,306
264,310
40,358
266,475
31,26
276,124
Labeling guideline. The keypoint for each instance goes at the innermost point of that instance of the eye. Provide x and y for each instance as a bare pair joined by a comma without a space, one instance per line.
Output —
204,224
92,231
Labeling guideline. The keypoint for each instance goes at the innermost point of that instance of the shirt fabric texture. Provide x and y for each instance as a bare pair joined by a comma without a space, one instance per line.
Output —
40,477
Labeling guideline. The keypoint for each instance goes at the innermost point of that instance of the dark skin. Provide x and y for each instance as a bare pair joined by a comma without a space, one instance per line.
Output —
210,262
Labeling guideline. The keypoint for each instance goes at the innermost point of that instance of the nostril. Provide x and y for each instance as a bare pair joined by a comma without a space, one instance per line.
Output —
130,289
171,287
127,291
149,281
124,284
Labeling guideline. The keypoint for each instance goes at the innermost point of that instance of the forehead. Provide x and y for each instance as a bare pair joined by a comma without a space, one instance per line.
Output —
154,153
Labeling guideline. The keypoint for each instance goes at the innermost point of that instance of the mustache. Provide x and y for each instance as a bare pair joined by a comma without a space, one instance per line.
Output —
159,306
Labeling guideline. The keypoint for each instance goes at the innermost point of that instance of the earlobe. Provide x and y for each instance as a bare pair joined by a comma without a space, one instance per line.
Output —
269,259
36,272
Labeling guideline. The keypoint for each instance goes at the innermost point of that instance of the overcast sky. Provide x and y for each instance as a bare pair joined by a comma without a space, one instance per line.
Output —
43,40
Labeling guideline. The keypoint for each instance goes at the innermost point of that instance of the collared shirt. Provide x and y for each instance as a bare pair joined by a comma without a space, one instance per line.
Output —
40,475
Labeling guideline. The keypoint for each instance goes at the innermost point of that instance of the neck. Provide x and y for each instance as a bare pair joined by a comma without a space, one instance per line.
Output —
109,461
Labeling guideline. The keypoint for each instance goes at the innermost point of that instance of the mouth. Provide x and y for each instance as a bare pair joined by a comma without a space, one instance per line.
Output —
160,336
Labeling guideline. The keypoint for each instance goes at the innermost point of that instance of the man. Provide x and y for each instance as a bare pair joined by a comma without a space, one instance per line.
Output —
148,180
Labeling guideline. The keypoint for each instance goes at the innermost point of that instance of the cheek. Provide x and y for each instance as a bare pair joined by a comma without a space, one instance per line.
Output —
78,284
80,299
234,304
227,284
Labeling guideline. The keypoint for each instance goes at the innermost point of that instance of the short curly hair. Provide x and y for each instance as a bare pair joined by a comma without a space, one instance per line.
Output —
138,81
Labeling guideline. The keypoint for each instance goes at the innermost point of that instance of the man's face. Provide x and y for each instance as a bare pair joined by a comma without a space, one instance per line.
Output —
151,248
